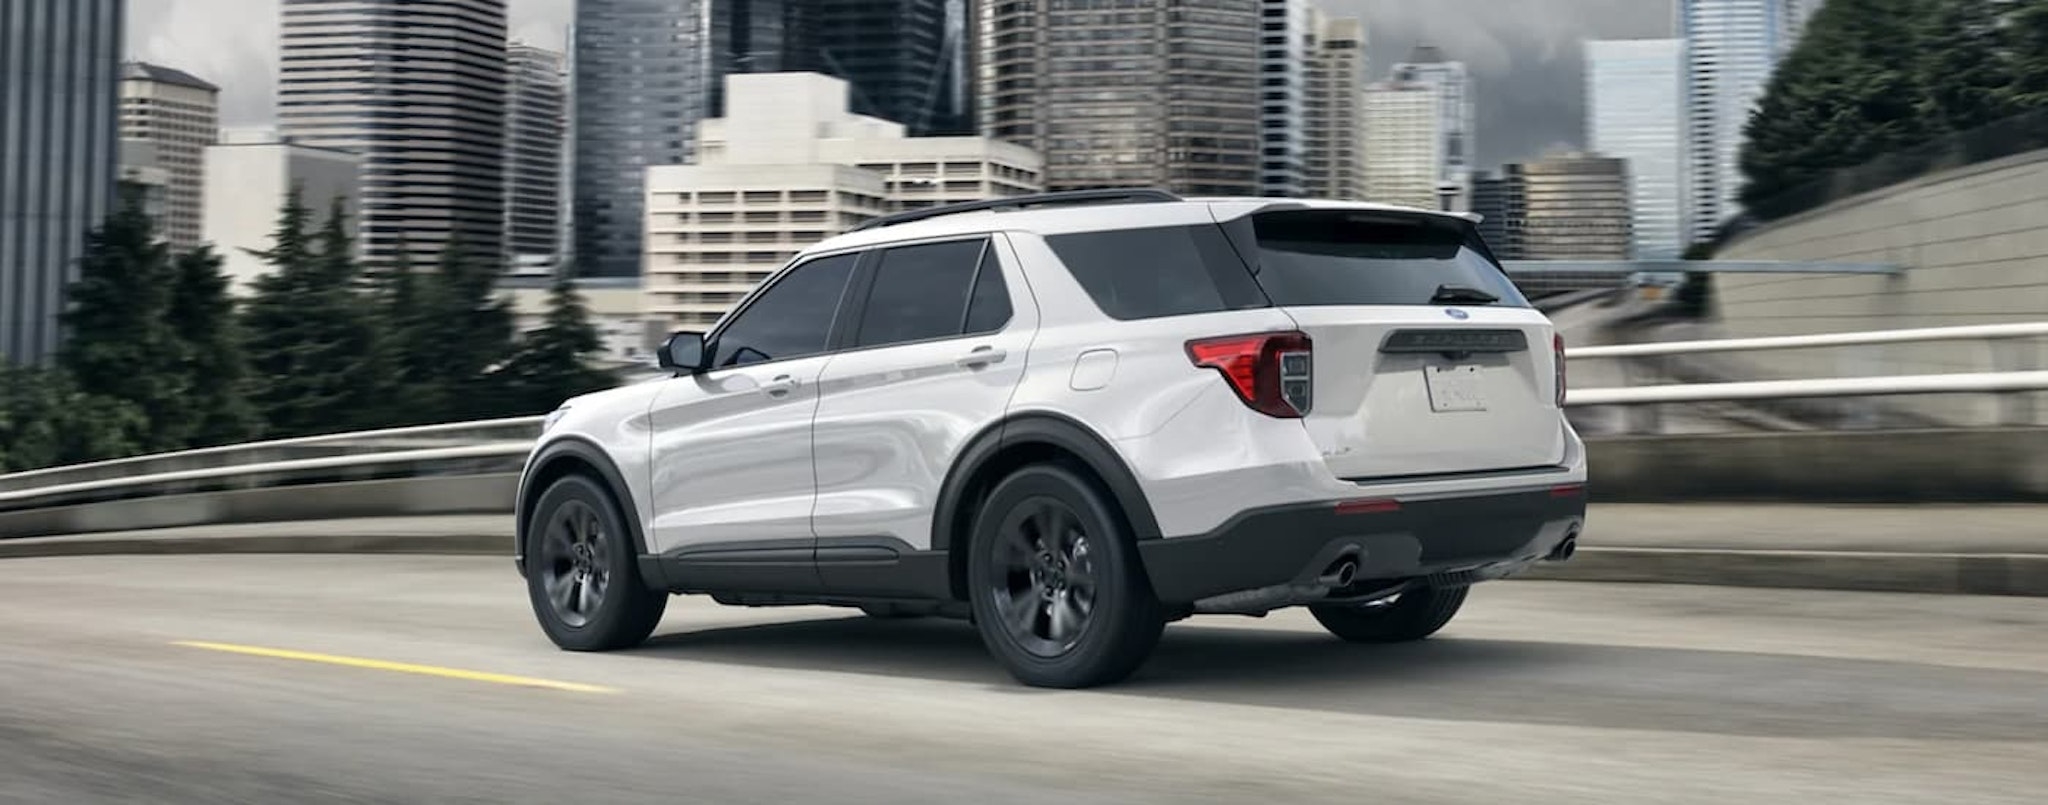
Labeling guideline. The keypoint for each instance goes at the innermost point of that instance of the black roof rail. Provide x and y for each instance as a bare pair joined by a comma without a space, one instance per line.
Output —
1064,198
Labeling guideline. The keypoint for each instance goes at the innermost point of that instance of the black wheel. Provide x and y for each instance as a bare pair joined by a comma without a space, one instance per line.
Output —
582,575
1057,589
1412,615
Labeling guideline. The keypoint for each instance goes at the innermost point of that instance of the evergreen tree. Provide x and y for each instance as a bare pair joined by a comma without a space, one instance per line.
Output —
411,342
474,328
117,344
214,368
1850,92
312,339
554,362
2026,38
45,420
1965,67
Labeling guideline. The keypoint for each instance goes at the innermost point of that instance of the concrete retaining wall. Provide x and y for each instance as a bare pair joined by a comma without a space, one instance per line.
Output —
1889,466
1974,242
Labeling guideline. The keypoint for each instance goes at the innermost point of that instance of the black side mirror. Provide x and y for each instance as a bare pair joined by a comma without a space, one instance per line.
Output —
683,353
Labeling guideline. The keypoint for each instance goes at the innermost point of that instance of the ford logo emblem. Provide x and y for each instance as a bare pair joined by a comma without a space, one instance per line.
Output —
1456,313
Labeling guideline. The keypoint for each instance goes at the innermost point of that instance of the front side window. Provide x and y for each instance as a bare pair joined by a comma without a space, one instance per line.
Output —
922,292
791,319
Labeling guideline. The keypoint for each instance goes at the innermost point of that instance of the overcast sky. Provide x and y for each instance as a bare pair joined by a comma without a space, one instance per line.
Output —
1524,54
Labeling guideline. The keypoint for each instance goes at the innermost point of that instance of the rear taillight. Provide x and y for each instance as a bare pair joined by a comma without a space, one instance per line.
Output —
1557,354
1272,372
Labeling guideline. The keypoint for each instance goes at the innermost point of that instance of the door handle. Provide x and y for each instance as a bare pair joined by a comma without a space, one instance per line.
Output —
781,386
981,356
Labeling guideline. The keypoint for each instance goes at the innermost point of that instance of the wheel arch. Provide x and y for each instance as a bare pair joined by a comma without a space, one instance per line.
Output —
571,455
1016,442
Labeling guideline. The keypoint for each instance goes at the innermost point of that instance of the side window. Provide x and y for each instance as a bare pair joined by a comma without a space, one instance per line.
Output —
988,306
791,319
920,292
1162,271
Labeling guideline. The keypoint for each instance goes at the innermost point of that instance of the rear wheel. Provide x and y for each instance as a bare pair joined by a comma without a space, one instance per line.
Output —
1413,615
1057,589
583,577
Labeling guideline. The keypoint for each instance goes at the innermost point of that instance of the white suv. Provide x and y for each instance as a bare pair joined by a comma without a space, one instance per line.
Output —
1074,418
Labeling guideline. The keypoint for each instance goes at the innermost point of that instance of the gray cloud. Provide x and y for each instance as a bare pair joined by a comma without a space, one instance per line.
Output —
1524,54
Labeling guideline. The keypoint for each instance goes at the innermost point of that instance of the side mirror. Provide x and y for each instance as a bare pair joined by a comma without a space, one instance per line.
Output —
683,353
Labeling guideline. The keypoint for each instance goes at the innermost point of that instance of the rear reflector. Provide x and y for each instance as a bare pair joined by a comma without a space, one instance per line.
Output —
1368,506
1568,491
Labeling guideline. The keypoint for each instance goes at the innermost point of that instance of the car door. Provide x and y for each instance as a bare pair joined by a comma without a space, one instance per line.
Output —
731,446
937,350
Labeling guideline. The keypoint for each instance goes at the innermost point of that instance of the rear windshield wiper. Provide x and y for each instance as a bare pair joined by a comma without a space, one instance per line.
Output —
1461,294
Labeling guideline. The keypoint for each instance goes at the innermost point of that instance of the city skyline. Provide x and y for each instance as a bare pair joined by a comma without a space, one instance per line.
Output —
1525,61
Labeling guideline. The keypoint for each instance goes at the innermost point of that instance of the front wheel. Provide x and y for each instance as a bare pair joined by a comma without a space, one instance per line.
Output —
1413,615
583,577
1059,595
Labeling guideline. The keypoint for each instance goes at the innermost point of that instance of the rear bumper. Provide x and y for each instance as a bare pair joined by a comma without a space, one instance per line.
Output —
1461,539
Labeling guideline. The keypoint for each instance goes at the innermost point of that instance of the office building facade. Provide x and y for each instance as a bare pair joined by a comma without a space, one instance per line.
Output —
1334,166
248,176
788,166
1156,93
418,90
60,72
1404,144
535,157
907,61
1457,124
1732,46
1571,207
1286,33
179,114
1635,110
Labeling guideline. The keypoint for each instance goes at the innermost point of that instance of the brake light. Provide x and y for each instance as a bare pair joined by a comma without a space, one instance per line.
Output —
1273,373
1557,353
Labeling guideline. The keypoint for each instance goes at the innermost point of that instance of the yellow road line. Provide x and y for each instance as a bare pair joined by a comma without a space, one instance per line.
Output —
400,667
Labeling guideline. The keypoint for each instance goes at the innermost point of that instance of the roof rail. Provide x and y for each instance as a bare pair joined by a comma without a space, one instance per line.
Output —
1063,198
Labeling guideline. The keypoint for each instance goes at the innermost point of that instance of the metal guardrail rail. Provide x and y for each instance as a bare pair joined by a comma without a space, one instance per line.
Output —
178,488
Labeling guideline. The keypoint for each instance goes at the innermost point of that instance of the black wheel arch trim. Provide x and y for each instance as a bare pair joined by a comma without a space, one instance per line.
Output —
1054,430
580,449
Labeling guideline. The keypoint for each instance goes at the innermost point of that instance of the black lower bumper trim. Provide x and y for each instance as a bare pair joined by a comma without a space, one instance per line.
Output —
1459,540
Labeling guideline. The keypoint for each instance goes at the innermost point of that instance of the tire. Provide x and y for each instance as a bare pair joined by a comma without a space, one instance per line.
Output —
1416,614
583,573
1074,611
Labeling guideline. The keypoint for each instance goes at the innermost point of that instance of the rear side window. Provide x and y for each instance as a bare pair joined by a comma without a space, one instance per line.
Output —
1343,257
920,292
1161,271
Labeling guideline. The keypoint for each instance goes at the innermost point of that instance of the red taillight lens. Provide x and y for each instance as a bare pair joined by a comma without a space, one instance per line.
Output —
1272,372
1557,351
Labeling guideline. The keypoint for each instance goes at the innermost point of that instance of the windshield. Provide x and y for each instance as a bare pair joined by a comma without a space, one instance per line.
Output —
1354,257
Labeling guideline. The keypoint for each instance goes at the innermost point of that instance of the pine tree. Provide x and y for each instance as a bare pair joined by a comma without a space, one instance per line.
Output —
214,368
1965,67
2026,38
411,342
312,339
117,343
554,362
45,420
475,335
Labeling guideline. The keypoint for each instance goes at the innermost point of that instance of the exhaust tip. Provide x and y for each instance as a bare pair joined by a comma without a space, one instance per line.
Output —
1565,549
1345,573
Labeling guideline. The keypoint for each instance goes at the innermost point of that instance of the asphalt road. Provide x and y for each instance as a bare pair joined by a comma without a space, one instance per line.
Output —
126,679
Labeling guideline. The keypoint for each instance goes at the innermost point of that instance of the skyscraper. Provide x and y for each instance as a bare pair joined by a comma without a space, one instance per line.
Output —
179,114
1427,66
60,67
534,153
1731,48
1572,207
1335,167
1161,93
1286,33
418,89
1635,101
907,61
1404,144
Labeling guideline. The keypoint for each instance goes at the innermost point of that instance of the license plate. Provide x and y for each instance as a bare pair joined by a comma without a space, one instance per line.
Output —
1454,388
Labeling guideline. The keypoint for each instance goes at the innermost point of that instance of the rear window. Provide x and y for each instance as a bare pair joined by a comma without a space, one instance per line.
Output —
1345,257
1160,271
